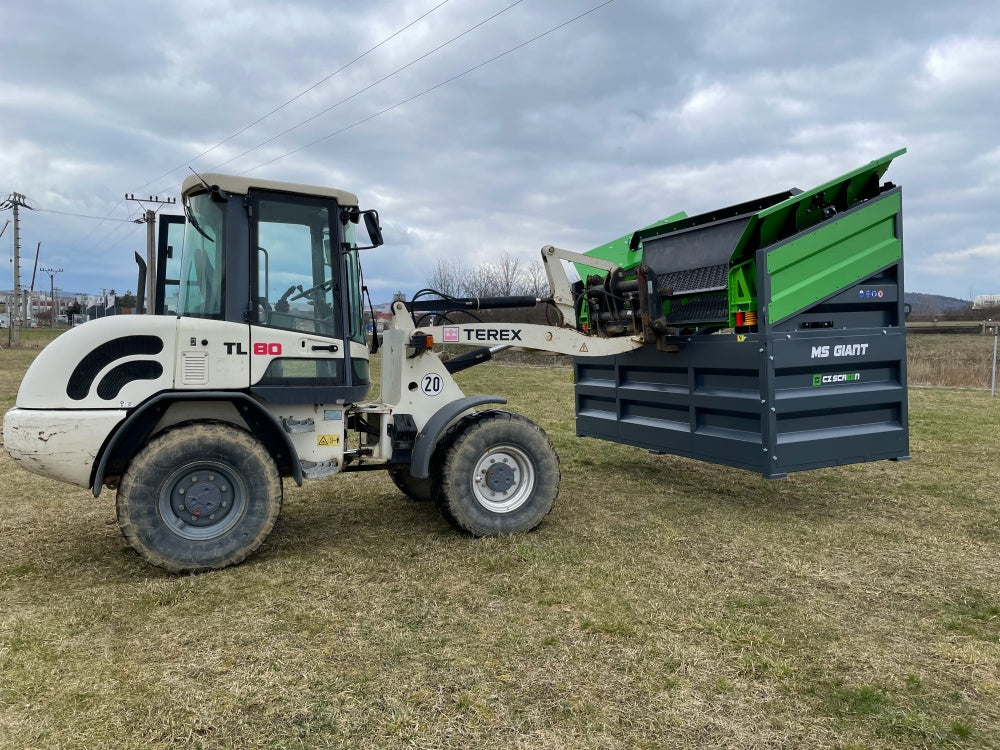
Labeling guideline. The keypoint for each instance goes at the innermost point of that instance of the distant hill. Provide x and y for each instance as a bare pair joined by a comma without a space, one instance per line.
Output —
935,305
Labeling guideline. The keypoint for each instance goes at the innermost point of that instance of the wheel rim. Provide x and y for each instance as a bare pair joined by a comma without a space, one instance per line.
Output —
202,500
504,479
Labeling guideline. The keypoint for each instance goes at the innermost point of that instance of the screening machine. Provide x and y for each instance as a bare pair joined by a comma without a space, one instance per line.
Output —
774,331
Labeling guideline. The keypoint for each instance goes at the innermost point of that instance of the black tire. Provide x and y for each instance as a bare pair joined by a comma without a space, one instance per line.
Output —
199,497
500,475
418,490
422,490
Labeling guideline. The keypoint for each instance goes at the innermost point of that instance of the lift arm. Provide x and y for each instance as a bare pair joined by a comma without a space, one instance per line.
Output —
530,336
562,292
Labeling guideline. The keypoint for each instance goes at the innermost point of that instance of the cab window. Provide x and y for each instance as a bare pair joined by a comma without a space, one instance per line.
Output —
298,278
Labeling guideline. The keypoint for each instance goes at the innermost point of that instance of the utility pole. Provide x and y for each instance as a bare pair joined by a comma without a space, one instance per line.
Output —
150,221
29,298
15,201
54,309
6,305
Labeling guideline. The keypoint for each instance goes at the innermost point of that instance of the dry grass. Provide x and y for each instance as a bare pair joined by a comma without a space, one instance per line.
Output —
953,360
664,603
31,338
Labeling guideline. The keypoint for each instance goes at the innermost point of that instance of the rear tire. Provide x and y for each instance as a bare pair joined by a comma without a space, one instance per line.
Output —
500,475
199,497
418,490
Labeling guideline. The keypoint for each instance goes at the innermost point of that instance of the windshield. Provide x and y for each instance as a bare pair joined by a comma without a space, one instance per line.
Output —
202,268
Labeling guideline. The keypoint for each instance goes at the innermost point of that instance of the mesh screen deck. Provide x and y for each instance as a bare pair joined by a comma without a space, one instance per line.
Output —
707,279
710,309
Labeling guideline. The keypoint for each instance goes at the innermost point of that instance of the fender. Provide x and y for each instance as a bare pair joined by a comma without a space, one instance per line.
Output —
423,446
135,428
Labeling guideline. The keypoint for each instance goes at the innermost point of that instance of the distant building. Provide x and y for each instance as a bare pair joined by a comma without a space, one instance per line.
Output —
986,301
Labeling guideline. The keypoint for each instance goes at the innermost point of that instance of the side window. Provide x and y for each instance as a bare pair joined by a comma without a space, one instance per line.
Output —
352,269
298,281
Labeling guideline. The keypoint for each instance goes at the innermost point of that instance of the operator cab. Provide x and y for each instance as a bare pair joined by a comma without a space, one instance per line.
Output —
281,259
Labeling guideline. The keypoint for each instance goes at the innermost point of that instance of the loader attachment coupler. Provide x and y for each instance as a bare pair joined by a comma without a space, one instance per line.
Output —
774,329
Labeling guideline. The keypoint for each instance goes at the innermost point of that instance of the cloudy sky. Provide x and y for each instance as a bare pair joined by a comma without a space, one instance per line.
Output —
631,112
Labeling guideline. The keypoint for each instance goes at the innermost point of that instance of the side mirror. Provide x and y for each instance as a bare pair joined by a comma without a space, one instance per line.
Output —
374,230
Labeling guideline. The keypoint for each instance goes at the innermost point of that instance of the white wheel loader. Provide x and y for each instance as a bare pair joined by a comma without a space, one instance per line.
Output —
255,369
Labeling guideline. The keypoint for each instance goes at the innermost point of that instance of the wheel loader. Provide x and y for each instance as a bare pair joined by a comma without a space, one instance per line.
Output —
767,336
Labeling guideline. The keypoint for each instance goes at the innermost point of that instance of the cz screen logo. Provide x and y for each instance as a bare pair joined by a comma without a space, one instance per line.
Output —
843,377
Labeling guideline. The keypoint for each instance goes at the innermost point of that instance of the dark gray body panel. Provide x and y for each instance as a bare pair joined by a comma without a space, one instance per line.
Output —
824,388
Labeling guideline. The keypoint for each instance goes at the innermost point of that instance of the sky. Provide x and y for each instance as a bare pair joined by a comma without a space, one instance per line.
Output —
585,130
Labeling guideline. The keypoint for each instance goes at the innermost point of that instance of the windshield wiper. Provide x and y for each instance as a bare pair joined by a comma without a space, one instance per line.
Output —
194,222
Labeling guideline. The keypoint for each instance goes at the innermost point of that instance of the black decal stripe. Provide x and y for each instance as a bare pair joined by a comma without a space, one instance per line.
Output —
120,376
90,366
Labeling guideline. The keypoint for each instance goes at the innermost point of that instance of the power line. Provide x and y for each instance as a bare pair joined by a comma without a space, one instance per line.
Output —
83,216
94,229
432,88
273,111
369,86
123,222
280,107
114,230
119,225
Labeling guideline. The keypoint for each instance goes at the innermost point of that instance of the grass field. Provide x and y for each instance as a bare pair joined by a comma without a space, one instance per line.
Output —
664,603
31,338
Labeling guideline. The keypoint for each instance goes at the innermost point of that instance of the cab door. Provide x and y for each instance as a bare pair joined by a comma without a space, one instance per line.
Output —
168,264
297,335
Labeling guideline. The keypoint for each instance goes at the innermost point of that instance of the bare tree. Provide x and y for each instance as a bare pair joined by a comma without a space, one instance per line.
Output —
506,274
449,277
534,281
503,278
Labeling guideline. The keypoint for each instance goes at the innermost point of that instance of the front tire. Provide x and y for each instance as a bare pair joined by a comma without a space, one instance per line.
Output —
199,497
500,476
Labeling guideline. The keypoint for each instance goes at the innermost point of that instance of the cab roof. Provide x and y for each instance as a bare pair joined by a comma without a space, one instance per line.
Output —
240,185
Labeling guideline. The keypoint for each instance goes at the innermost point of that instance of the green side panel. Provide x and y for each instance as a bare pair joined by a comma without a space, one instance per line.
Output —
617,251
832,257
742,290
806,209
799,212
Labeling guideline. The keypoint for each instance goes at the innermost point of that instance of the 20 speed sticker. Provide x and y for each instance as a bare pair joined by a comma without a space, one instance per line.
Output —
431,384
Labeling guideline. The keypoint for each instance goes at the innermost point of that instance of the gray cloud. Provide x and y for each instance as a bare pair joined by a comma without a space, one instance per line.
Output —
630,114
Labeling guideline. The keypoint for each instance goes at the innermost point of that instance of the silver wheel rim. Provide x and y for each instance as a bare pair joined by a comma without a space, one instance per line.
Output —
202,500
504,479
